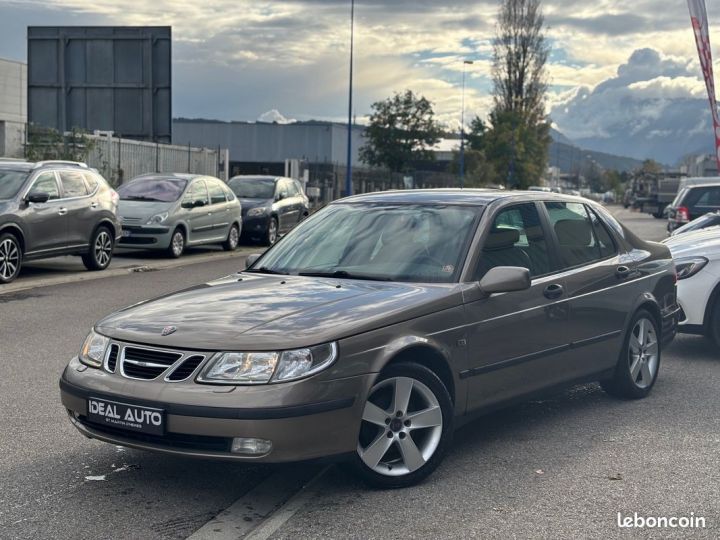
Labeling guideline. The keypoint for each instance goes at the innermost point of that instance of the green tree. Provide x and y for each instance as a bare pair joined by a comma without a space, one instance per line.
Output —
519,136
475,137
402,130
517,149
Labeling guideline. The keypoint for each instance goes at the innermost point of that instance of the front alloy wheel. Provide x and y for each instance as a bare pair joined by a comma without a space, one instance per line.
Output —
406,427
10,258
177,244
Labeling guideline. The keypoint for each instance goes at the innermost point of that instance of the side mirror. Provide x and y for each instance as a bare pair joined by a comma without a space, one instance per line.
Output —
37,197
250,260
504,279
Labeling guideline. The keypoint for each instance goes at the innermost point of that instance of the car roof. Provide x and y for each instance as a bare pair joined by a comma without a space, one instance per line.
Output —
699,182
167,176
478,197
257,177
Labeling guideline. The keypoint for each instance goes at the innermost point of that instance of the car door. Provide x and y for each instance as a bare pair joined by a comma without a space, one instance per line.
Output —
82,211
45,223
516,341
597,275
284,205
220,208
197,212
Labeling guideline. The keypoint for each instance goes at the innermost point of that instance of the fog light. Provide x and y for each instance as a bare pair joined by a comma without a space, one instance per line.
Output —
250,446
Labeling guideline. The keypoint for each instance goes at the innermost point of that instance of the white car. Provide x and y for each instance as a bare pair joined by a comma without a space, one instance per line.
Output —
697,262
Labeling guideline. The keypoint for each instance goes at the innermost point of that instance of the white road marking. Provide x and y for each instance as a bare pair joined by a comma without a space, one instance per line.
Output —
275,500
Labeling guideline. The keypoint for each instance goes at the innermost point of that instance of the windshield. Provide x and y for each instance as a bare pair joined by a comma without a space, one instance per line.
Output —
153,190
253,188
414,243
11,182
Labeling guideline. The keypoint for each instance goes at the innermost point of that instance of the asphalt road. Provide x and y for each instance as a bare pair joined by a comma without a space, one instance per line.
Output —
558,468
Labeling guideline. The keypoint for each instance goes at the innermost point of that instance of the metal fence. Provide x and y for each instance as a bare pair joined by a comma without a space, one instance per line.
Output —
119,160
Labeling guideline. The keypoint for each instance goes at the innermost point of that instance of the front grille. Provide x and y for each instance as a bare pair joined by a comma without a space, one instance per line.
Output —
112,357
171,440
187,368
146,364
131,220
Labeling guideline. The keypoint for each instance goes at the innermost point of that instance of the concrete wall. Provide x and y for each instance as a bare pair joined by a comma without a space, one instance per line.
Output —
13,107
316,142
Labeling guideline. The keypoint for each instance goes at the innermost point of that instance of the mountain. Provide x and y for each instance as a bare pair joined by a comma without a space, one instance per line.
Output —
571,158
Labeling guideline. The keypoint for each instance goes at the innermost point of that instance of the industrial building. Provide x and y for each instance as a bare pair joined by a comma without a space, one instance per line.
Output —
13,107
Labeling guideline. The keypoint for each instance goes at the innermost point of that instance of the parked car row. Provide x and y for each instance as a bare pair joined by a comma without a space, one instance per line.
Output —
55,208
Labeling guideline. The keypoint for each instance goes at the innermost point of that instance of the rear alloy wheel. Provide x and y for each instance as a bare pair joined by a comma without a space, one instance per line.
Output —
10,257
639,363
406,427
177,244
271,235
100,252
233,239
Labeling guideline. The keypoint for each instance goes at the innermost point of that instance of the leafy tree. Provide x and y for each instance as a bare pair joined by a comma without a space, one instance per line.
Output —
650,166
402,130
479,172
517,149
475,137
517,142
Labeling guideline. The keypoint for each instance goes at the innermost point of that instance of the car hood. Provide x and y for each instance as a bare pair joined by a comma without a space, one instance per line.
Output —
258,312
704,242
6,206
143,209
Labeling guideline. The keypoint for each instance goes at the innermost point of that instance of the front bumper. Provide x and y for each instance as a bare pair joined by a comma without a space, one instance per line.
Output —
255,225
146,237
670,318
305,420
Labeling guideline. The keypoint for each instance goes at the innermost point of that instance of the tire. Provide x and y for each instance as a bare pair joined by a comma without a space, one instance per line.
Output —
233,239
177,244
11,256
271,235
713,331
100,251
639,363
391,453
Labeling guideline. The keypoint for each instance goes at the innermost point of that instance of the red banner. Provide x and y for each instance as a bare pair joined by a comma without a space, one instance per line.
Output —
698,16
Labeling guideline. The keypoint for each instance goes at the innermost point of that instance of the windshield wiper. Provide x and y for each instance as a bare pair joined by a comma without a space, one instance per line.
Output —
264,270
344,274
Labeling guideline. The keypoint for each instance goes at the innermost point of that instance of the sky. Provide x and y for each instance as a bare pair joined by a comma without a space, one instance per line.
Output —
611,60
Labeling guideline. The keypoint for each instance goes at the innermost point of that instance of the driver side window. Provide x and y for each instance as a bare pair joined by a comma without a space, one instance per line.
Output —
516,238
46,183
197,192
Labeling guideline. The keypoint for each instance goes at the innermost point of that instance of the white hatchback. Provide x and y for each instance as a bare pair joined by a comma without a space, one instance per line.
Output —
697,261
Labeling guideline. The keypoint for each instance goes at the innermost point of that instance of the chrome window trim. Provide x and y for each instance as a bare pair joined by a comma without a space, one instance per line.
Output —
56,172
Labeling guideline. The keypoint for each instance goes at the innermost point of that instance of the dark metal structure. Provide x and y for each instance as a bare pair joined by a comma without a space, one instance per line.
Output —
101,78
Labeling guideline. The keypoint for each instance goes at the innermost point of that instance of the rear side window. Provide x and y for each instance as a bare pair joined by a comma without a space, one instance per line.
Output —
91,181
73,184
46,183
516,238
577,234
217,194
605,244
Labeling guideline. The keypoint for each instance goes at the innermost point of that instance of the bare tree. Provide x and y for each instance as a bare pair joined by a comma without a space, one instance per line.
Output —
520,53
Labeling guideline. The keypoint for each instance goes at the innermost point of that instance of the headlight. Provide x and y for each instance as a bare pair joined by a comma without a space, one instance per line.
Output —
689,266
267,367
259,211
93,350
157,218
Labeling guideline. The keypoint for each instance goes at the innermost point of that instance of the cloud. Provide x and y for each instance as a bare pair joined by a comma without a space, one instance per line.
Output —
274,117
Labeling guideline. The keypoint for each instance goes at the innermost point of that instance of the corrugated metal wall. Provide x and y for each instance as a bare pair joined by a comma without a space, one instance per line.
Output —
101,78
120,160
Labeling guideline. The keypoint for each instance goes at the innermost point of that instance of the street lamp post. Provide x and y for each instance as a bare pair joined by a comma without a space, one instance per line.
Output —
462,127
348,175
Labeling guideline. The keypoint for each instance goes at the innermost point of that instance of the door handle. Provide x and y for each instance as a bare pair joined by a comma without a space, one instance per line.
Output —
554,291
622,272
62,211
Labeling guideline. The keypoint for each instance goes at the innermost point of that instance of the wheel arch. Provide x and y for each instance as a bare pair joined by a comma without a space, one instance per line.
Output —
430,357
707,318
105,223
17,231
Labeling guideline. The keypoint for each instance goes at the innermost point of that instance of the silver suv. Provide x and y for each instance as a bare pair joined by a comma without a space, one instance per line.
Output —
53,208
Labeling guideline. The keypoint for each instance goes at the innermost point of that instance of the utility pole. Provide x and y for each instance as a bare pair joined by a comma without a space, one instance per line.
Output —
348,175
462,127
